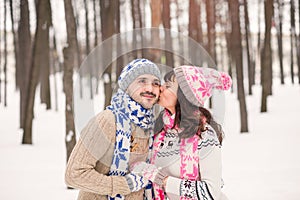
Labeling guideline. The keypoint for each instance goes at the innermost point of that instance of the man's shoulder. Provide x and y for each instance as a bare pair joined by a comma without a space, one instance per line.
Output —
102,124
105,115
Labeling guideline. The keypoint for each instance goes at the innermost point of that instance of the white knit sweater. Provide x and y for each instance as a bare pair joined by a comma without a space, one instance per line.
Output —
210,167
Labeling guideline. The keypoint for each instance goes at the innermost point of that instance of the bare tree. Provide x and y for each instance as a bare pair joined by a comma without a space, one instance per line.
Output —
166,19
108,9
44,55
95,23
54,64
43,6
0,63
179,29
259,30
137,24
17,67
250,62
236,44
211,31
87,46
70,62
293,37
120,61
278,22
266,57
156,11
5,54
194,27
298,45
25,48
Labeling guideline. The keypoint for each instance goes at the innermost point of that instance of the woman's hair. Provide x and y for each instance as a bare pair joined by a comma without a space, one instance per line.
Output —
190,118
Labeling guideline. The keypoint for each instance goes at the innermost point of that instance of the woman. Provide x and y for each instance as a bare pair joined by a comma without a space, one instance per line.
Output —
186,158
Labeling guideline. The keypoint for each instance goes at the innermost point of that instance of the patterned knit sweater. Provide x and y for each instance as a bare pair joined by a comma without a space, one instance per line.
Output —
91,158
209,149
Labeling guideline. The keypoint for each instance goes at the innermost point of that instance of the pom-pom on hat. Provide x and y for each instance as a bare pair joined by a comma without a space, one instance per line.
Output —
136,68
197,83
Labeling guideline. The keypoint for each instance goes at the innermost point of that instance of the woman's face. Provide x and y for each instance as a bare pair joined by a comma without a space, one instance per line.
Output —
168,95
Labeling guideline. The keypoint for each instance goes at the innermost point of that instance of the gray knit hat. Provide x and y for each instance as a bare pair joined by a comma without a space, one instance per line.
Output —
136,68
197,83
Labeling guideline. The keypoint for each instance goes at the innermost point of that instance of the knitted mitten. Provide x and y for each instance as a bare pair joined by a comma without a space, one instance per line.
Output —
149,171
136,182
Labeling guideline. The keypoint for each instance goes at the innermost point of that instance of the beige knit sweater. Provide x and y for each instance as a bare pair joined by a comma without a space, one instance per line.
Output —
91,158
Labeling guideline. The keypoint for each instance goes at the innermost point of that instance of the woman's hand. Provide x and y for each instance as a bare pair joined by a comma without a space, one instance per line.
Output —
149,171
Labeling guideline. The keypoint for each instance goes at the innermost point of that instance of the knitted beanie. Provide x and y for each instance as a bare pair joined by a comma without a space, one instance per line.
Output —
136,68
197,83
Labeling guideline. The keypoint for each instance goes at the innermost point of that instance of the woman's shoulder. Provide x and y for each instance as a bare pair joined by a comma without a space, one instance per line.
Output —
208,141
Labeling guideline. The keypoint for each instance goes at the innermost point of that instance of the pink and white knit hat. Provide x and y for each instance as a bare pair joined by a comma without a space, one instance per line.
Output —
197,83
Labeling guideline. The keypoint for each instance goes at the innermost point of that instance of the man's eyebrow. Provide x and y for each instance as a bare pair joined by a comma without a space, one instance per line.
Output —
155,79
141,78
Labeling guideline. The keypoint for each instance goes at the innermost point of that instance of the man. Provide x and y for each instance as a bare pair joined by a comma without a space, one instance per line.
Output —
117,137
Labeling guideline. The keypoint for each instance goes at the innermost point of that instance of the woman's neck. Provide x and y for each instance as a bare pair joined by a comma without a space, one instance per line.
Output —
172,110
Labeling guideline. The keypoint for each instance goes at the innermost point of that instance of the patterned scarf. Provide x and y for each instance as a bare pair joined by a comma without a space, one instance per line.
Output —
127,111
189,157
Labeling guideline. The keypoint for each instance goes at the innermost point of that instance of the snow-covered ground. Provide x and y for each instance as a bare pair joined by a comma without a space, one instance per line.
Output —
263,164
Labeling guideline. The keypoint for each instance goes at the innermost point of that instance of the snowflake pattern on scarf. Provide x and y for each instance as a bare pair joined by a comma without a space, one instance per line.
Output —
127,111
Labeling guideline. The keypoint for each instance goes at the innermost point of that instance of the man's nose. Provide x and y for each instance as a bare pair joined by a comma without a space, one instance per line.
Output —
149,87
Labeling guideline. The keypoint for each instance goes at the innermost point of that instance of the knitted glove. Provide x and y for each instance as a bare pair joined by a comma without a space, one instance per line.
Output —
149,171
136,182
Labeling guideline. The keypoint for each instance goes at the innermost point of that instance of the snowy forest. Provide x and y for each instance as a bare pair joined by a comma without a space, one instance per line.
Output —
44,45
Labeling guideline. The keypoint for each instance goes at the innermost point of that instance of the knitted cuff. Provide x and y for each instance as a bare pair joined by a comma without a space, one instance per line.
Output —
119,186
159,178
136,182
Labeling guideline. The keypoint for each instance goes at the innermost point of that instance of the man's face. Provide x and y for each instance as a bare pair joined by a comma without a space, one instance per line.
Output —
145,90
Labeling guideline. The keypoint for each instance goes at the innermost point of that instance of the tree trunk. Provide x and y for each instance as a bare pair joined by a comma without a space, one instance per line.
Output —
108,9
156,11
259,31
70,62
293,37
298,48
54,64
95,24
278,19
0,65
166,19
266,58
120,61
37,62
134,26
5,54
236,40
87,47
17,67
211,31
248,50
45,57
180,39
194,26
25,50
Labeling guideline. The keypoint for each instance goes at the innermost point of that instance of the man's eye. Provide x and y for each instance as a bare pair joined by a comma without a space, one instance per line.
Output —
156,83
142,81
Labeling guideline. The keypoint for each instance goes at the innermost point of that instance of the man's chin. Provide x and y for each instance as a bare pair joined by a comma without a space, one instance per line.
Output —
148,105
